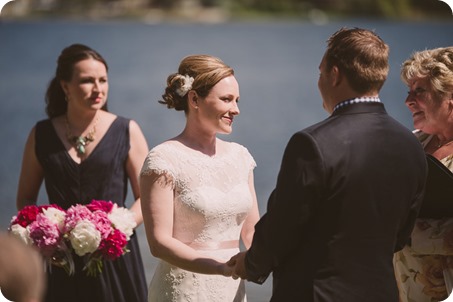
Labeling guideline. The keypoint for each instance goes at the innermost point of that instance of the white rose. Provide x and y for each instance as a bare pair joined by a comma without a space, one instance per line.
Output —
85,238
55,216
123,220
21,233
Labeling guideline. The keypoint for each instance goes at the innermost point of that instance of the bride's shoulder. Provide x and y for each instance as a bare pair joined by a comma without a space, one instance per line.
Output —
167,147
235,149
162,157
231,145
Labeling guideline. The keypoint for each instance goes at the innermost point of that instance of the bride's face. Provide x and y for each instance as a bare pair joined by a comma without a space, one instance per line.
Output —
218,109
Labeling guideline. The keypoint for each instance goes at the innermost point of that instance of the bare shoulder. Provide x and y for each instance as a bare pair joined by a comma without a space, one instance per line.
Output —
106,116
134,126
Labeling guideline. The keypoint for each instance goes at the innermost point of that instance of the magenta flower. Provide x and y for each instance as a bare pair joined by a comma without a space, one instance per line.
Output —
26,216
114,246
100,205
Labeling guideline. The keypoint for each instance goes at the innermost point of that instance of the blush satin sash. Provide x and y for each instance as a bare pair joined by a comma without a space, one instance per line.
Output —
212,245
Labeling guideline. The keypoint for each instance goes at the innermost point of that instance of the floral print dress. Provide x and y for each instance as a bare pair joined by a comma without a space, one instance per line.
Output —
424,270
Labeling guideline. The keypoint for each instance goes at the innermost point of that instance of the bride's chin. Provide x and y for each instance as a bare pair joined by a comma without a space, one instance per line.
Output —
226,132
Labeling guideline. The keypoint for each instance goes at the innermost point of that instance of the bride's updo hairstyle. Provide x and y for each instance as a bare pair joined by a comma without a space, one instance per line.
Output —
195,72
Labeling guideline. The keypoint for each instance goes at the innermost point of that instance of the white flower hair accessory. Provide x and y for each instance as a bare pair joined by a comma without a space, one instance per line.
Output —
186,86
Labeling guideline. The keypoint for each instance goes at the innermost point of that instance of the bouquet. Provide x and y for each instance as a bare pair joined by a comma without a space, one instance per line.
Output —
42,227
96,232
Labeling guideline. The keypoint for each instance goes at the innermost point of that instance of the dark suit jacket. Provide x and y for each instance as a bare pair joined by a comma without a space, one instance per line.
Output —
347,195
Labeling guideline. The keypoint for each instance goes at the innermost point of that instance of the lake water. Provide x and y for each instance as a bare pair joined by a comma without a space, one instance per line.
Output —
275,63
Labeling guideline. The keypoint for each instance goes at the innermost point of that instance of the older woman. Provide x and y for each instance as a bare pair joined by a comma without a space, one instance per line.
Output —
424,269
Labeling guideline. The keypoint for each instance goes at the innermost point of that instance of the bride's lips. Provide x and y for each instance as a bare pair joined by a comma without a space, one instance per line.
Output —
229,119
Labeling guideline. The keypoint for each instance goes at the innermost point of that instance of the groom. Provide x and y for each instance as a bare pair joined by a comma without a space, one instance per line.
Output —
348,191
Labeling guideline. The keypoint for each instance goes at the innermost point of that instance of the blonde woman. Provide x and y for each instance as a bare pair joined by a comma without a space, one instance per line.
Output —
198,195
424,268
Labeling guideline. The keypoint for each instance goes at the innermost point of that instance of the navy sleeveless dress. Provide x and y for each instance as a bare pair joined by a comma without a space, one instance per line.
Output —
101,176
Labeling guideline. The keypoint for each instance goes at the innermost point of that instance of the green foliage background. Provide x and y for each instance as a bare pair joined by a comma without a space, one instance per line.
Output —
232,9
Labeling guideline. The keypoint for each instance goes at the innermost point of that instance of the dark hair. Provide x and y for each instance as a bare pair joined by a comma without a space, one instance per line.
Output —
205,70
361,55
55,97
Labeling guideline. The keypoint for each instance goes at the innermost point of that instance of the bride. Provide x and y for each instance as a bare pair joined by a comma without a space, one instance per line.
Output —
198,195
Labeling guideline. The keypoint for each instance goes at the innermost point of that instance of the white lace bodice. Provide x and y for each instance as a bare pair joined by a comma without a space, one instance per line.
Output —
211,201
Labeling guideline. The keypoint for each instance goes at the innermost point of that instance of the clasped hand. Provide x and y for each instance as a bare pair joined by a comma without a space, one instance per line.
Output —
236,266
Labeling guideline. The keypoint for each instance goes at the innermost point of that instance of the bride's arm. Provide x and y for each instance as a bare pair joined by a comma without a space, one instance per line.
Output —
248,229
157,208
137,153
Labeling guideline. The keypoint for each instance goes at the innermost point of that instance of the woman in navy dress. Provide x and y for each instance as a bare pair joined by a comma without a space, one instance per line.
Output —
83,152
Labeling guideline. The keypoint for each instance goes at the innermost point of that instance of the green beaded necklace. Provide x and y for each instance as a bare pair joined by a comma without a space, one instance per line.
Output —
80,142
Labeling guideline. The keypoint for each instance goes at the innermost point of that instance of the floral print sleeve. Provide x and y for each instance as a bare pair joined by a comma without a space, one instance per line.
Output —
433,236
424,269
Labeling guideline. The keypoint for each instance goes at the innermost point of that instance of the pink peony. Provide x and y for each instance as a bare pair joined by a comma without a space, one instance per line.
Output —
44,234
102,223
114,246
75,214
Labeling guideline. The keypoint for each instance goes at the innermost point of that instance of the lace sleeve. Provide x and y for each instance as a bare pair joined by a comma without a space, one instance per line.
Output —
157,162
248,158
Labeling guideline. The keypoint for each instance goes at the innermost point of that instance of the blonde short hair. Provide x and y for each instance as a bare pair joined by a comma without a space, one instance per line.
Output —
435,64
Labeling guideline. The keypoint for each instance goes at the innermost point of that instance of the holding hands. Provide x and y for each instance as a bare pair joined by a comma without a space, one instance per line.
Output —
237,265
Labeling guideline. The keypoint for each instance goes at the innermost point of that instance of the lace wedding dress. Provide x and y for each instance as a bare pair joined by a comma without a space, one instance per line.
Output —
211,201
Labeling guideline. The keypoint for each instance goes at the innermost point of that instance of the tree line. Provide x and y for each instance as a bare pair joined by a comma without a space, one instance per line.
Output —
411,9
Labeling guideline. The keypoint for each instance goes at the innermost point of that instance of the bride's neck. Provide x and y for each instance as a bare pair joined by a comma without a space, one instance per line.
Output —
200,141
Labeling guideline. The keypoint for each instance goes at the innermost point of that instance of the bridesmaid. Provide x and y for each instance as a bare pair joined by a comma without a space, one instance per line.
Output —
83,152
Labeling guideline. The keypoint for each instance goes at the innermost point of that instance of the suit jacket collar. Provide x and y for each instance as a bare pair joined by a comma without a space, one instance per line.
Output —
369,107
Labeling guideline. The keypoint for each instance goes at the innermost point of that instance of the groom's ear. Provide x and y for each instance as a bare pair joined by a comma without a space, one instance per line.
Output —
337,76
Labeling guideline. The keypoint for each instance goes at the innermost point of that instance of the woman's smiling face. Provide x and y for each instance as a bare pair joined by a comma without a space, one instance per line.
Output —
430,112
218,108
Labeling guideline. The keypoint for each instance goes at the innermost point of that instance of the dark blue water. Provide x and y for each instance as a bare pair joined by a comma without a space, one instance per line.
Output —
276,65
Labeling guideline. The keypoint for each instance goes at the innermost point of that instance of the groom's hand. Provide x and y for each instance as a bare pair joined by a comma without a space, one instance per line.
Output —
238,261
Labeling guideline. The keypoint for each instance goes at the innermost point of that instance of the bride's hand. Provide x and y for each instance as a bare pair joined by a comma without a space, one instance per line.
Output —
237,263
225,270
